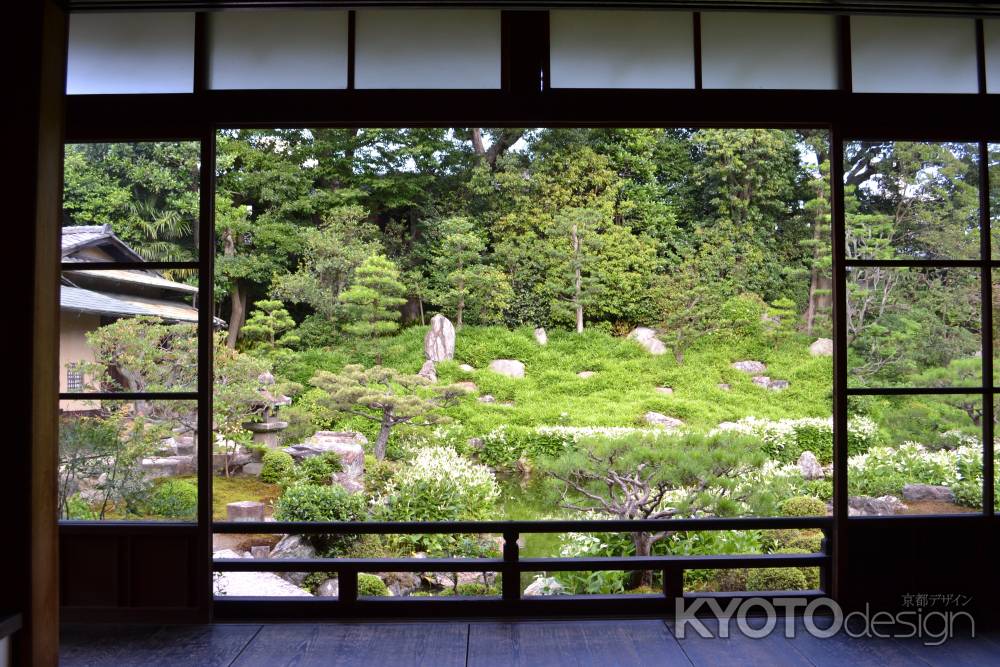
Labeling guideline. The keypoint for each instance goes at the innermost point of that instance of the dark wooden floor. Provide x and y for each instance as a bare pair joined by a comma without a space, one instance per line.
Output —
530,643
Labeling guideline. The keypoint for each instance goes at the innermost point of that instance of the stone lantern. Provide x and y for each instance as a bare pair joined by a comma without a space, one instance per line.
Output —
266,431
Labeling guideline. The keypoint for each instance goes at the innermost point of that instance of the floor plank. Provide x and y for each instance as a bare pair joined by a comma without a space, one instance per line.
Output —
554,643
180,645
841,649
959,651
100,645
738,650
395,644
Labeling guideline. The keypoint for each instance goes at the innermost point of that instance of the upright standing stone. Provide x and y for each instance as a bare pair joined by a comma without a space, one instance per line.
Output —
439,343
540,336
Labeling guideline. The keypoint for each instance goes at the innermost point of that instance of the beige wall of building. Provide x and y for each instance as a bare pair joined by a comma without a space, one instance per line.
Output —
73,348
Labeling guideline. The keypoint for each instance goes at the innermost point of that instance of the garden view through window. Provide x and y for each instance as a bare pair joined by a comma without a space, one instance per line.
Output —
443,324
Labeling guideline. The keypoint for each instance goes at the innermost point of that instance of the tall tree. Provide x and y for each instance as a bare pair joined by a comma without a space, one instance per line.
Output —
372,302
332,252
461,277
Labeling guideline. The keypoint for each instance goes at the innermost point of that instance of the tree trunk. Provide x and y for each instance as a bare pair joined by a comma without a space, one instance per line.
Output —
237,313
643,547
237,294
382,440
577,280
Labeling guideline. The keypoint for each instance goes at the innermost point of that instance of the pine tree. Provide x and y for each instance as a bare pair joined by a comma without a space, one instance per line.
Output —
267,323
463,282
372,302
385,396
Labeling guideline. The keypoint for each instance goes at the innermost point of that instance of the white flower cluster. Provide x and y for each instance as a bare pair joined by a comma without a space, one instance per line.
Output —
778,434
576,433
443,464
913,459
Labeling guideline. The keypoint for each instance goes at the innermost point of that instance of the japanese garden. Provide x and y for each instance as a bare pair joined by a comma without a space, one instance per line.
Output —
435,324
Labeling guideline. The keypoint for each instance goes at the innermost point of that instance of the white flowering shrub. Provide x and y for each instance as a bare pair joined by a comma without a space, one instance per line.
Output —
439,484
786,439
885,470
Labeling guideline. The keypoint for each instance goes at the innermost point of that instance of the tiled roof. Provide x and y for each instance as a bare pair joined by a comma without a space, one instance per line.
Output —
98,303
77,237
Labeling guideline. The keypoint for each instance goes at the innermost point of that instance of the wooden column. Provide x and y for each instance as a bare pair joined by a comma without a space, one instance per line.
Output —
37,62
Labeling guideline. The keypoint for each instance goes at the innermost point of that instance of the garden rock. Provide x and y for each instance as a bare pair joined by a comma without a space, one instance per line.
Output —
234,460
476,443
723,386
809,466
427,371
488,398
349,448
168,466
544,586
447,579
400,583
253,468
822,347
245,510
540,336
293,546
252,584
647,338
666,391
509,367
439,343
328,589
765,382
586,374
466,368
750,366
260,551
465,385
869,506
928,492
658,419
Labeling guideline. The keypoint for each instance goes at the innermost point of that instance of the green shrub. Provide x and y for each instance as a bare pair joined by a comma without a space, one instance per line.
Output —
317,469
79,509
174,498
776,579
378,475
314,580
315,502
809,541
810,574
474,589
803,506
370,586
277,467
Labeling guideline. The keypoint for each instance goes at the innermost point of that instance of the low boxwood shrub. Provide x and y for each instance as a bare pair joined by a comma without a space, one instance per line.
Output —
174,498
277,467
803,506
370,586
776,579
